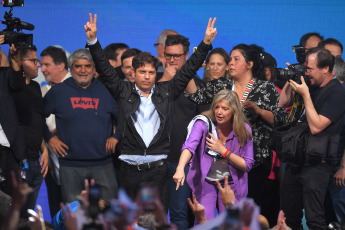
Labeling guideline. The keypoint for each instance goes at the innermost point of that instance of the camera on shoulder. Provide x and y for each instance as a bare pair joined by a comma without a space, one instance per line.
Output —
19,39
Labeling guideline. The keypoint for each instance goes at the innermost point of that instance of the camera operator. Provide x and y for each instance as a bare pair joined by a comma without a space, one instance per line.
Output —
310,40
12,139
305,186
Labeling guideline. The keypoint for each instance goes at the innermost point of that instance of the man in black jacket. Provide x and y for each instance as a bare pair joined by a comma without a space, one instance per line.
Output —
176,51
145,109
12,139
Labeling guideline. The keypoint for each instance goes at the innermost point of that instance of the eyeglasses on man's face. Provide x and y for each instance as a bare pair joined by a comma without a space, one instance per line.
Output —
35,61
176,56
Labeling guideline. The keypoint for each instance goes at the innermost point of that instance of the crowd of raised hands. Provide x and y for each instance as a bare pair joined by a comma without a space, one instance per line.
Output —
122,213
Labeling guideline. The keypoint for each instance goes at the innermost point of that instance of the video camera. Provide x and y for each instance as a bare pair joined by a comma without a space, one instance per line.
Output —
20,40
294,71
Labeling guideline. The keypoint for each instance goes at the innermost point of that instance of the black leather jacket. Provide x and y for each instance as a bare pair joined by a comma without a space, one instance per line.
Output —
163,96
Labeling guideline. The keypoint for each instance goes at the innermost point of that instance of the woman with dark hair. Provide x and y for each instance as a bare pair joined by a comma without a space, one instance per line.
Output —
226,152
216,65
259,99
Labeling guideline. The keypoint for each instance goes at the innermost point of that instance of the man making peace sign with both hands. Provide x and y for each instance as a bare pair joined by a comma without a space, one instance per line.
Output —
145,108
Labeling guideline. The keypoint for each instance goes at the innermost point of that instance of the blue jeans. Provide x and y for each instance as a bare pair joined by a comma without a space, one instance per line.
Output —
178,205
34,179
338,199
73,180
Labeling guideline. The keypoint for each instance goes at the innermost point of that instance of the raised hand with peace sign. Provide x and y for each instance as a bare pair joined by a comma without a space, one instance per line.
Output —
91,28
211,32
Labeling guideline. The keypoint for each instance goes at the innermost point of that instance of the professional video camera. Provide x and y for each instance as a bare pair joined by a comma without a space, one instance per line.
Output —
20,40
294,71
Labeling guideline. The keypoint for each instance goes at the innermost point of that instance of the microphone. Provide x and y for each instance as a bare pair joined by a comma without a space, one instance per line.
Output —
26,26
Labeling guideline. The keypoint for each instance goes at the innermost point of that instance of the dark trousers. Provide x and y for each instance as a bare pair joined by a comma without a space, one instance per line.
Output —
8,163
73,180
133,180
54,194
305,188
256,181
178,205
337,196
34,179
270,202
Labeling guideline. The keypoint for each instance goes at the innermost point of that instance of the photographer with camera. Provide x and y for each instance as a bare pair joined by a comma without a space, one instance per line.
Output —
310,40
305,185
12,140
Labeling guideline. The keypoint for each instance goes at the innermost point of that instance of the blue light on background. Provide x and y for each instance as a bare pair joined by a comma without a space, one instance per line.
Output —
274,24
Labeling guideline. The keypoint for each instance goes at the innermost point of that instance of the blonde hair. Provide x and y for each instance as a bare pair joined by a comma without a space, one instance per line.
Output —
238,118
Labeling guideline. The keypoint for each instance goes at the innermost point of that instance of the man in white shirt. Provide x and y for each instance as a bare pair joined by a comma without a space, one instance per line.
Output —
55,70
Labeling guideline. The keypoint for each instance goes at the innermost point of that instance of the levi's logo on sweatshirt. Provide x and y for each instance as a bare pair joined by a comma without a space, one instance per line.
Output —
84,102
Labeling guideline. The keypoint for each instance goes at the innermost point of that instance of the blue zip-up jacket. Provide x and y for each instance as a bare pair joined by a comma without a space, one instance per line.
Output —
84,121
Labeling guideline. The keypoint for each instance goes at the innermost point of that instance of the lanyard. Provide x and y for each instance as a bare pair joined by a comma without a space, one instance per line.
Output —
248,89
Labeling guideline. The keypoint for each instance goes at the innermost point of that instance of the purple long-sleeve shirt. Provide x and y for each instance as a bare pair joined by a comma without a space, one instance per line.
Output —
201,162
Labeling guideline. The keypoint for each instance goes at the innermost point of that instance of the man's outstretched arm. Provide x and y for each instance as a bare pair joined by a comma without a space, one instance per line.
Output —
196,60
107,74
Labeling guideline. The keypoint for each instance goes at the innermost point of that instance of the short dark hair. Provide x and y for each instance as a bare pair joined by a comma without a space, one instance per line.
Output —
144,58
110,50
130,53
331,41
251,53
24,51
57,54
324,58
177,40
305,37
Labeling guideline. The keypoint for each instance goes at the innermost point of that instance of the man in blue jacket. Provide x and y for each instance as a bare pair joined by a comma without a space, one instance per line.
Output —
84,112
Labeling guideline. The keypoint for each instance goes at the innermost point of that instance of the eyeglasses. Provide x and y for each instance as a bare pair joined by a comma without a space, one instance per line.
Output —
176,56
35,61
157,44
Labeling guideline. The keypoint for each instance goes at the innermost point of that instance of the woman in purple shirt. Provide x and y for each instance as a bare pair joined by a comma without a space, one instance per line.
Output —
231,153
